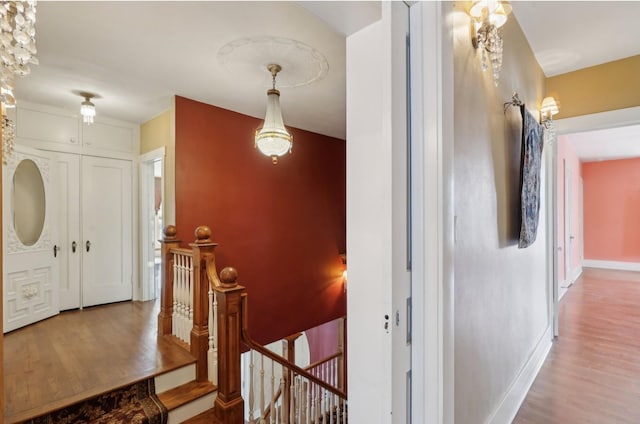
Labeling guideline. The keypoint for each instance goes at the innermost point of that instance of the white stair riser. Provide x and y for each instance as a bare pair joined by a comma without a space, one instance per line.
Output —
175,378
192,409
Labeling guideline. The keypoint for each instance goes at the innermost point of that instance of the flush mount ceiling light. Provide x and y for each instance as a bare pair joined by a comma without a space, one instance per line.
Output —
487,17
87,108
273,139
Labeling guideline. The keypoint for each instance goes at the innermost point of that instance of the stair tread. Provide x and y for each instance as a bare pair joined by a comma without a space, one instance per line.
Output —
207,417
186,393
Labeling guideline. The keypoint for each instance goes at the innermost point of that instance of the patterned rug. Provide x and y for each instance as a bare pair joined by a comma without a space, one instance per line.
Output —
134,404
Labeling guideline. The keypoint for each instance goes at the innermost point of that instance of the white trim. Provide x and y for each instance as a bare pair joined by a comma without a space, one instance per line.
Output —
553,283
599,121
512,400
432,234
143,291
575,273
622,266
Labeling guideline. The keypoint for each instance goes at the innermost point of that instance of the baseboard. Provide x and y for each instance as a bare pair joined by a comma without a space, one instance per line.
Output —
510,404
622,266
575,273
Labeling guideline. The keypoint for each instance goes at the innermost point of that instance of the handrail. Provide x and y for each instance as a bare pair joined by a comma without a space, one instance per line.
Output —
182,250
323,361
246,338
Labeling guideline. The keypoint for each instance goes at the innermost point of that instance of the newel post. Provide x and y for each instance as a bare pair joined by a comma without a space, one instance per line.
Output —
169,241
229,406
202,249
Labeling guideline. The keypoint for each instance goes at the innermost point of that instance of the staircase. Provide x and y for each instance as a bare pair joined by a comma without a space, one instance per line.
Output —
207,315
182,395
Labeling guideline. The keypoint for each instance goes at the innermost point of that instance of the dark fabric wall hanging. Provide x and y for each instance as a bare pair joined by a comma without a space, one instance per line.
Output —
530,169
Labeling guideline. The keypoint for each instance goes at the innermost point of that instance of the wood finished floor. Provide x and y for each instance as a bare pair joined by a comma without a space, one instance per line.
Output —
80,354
592,373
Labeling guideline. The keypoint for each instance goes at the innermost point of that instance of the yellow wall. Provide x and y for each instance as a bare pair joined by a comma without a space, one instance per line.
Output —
156,133
610,86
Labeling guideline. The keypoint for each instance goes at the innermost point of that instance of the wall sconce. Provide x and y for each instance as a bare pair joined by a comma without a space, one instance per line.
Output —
487,17
548,108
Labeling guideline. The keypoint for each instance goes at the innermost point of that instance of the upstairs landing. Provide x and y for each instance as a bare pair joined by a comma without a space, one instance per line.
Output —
80,354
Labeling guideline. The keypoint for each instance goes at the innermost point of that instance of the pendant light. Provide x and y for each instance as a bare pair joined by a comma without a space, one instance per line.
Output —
273,139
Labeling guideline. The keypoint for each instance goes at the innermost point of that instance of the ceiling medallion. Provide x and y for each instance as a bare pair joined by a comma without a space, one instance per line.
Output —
248,57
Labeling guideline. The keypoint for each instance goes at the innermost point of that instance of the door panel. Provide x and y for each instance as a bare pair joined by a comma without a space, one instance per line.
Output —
68,221
30,278
106,230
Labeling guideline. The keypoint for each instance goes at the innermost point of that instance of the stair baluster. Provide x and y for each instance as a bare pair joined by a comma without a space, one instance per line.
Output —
212,352
271,403
251,387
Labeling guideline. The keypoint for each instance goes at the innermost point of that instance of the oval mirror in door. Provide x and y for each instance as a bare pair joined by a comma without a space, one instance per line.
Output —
28,200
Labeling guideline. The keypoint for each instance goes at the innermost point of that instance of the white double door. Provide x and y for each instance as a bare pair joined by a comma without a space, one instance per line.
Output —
95,230
79,251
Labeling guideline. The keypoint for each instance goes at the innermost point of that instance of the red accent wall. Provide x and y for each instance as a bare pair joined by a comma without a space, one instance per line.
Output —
611,210
281,226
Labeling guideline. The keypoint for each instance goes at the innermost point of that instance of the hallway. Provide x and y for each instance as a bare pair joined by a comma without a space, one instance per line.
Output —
592,373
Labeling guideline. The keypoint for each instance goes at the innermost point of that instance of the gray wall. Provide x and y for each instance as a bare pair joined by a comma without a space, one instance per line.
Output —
500,291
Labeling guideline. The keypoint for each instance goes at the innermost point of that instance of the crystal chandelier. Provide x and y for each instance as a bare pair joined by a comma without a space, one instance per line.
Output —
488,16
273,139
8,138
17,51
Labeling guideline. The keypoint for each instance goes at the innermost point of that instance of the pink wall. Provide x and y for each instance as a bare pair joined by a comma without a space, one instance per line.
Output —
568,158
612,210
323,340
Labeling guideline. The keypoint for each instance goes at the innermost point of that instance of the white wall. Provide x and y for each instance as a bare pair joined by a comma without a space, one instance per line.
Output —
500,301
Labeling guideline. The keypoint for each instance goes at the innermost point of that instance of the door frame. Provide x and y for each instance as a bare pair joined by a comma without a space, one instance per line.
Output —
590,122
568,249
145,169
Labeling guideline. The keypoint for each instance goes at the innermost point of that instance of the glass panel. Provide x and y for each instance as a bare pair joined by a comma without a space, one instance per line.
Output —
28,202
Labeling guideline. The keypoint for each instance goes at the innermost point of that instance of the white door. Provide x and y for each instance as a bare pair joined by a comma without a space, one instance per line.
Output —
401,175
30,278
106,230
67,181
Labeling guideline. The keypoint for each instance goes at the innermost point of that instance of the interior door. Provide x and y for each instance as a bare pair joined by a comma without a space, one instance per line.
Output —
67,178
30,277
106,230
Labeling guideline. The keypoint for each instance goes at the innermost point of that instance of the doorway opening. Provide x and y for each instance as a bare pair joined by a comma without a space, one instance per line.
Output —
152,221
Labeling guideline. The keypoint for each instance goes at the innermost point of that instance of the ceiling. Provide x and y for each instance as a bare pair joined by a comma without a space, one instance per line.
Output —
570,35
137,55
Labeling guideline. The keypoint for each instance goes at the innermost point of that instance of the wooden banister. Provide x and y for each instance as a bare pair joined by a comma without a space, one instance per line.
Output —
246,338
169,241
203,253
229,406
197,281
323,361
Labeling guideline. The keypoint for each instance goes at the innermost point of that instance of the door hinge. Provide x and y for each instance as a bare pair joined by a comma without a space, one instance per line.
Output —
409,321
